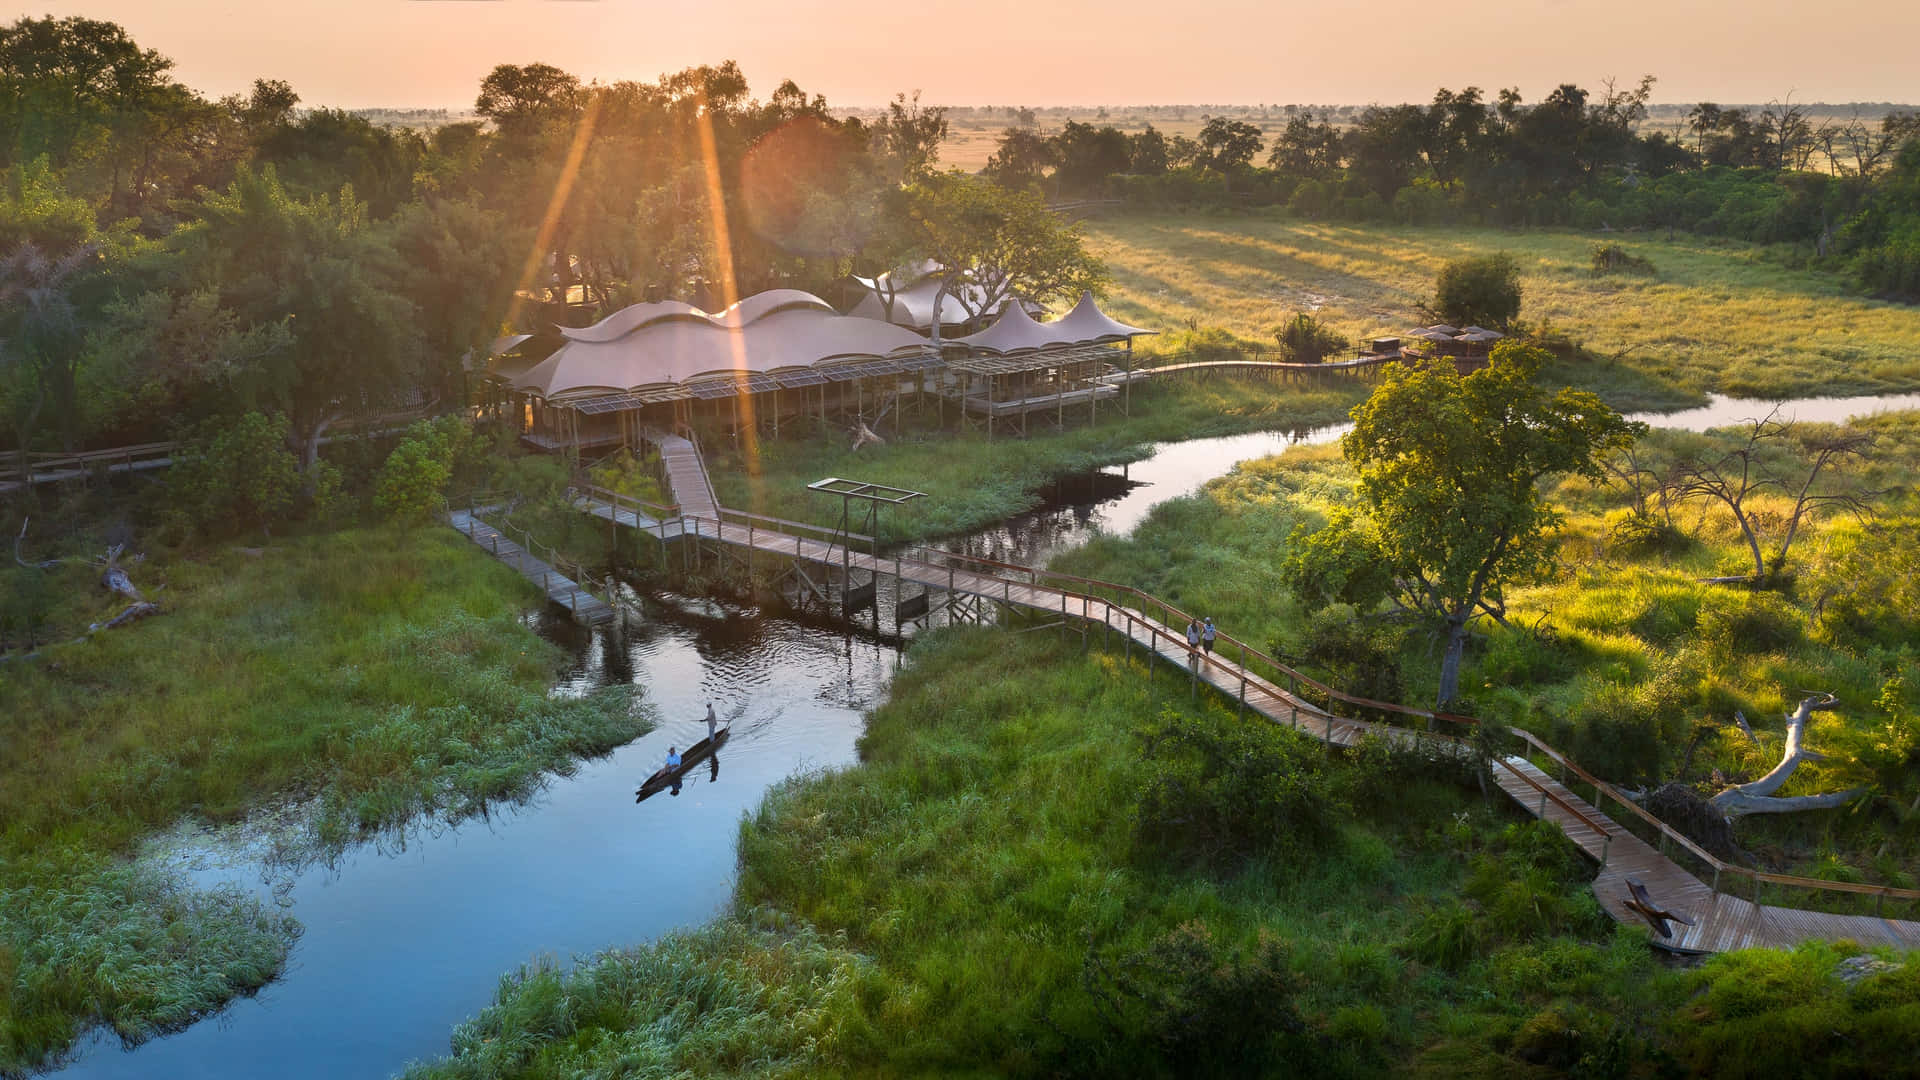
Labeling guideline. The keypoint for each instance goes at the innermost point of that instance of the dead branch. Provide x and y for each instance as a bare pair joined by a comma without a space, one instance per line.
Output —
133,613
1758,796
47,565
862,435
115,578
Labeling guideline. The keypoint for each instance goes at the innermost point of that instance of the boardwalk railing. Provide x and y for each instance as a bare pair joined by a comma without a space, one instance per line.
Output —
1669,835
559,568
1139,614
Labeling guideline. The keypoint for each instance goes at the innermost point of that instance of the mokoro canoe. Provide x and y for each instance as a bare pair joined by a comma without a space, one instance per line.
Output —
694,755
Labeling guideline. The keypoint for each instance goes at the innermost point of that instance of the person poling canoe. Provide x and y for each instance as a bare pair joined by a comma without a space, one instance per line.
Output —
677,764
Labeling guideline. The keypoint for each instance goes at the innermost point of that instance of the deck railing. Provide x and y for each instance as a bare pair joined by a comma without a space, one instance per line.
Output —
1107,602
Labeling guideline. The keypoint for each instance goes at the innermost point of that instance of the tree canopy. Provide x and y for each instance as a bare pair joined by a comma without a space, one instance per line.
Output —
1450,470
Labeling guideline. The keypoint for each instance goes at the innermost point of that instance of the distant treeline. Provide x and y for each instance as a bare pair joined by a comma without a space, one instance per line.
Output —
1846,189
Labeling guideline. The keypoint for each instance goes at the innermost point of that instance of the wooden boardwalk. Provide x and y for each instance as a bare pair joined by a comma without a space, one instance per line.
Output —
1721,921
586,608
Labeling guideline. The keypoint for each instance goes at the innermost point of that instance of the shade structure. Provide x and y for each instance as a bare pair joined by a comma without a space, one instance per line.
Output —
1086,323
668,344
1015,330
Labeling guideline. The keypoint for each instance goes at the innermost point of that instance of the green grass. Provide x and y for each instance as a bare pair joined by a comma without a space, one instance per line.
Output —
380,674
978,897
1715,316
1626,659
972,483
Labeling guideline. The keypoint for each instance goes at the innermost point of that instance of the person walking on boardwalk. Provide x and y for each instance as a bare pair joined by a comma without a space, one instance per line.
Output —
1193,642
712,721
1207,634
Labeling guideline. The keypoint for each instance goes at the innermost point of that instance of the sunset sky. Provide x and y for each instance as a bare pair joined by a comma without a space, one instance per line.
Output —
359,53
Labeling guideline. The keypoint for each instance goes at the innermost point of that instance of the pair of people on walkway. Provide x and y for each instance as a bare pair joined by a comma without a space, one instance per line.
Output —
1200,635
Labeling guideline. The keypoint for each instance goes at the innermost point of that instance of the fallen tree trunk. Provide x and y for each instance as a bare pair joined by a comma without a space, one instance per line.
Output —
1758,796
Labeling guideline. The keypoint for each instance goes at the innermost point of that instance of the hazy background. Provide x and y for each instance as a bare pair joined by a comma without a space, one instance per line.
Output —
361,53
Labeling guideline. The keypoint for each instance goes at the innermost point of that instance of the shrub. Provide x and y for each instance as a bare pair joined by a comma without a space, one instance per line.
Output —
231,478
1482,290
1359,657
1638,534
415,476
1447,936
1219,794
1201,1008
1614,259
1753,624
1303,340
1615,735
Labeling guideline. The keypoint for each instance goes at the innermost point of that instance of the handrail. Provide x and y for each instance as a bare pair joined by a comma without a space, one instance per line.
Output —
1558,801
1155,631
1719,866
666,510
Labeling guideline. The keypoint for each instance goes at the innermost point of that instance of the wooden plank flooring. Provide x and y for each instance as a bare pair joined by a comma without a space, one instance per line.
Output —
586,608
1721,921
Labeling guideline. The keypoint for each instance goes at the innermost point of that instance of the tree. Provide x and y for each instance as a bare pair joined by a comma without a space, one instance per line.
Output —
1480,290
1773,457
318,267
1303,340
1147,153
1450,471
1022,158
907,140
523,100
40,334
1306,147
1088,155
994,245
1229,145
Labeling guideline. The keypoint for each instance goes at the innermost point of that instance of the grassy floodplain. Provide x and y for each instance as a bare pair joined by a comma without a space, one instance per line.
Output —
1715,316
1007,885
972,483
1627,660
377,675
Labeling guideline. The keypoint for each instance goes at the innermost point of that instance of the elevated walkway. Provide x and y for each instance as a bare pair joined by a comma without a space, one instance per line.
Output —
586,608
1720,921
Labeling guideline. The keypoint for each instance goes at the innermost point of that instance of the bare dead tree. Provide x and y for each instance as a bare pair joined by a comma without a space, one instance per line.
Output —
1749,469
1644,484
1758,796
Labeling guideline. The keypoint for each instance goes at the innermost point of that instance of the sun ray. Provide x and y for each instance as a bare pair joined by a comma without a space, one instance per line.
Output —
550,221
724,278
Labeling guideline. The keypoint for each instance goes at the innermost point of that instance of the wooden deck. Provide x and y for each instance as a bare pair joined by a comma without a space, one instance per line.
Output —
1721,921
586,608
1039,403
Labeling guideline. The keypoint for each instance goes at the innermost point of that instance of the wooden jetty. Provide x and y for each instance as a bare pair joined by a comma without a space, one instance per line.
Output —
973,588
586,608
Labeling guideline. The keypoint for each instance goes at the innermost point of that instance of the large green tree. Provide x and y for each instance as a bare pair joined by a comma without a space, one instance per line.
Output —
995,244
1450,478
319,267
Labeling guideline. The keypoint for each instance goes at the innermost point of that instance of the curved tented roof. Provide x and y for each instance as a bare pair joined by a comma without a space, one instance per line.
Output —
1015,330
1086,322
669,344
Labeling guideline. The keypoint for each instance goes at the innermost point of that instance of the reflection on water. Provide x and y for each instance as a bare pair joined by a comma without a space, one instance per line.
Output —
401,946
1721,411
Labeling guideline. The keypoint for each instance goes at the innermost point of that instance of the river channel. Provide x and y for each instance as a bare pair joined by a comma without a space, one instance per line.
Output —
403,941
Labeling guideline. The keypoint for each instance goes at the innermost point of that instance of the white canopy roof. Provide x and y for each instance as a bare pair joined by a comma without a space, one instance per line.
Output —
1015,330
1086,322
655,344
